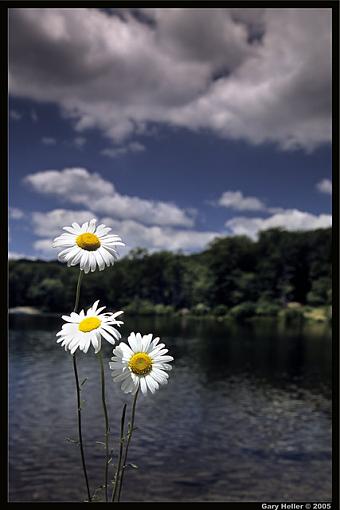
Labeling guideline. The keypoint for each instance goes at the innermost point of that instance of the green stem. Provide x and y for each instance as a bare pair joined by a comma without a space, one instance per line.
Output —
129,435
102,378
79,428
76,303
78,395
116,480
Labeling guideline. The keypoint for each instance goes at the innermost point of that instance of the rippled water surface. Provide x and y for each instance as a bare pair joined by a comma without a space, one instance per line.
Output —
246,415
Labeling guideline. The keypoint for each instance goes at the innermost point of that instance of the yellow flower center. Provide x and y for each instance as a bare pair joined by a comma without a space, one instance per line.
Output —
140,363
89,324
88,241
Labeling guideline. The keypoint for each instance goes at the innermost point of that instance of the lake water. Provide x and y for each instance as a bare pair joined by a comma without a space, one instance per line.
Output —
246,415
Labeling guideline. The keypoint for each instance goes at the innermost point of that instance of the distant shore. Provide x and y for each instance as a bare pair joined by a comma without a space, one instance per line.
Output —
25,310
245,311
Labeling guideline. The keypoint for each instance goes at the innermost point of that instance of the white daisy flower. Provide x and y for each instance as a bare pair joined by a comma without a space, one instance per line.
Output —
81,330
143,363
88,245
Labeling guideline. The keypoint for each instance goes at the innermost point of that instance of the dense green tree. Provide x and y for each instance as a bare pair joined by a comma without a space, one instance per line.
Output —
279,268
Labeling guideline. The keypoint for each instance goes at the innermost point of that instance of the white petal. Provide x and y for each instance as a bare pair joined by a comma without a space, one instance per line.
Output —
132,342
84,227
127,352
70,229
99,259
94,306
155,350
92,226
139,342
121,377
151,384
159,375
76,258
76,227
87,264
107,336
107,257
143,386
163,359
146,340
102,230
126,385
87,345
93,261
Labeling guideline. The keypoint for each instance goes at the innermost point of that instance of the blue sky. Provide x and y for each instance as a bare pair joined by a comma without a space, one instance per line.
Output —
174,143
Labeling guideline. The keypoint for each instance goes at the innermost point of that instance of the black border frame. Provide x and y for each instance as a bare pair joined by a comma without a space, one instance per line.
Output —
331,4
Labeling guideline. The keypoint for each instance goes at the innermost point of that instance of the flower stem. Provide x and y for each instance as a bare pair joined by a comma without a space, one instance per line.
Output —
129,435
116,479
102,378
79,427
78,395
80,277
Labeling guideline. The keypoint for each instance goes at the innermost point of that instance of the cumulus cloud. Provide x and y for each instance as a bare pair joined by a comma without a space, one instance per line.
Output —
43,248
290,219
157,238
325,186
48,225
243,73
13,255
72,184
79,186
236,200
15,213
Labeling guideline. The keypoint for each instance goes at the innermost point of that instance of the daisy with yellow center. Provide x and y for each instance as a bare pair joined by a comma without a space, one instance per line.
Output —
88,245
142,363
81,330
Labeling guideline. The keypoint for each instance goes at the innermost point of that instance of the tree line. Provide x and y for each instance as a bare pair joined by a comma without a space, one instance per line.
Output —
232,273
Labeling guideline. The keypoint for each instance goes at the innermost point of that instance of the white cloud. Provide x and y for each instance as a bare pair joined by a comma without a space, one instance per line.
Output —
46,140
43,248
13,255
72,184
115,152
325,186
243,73
14,115
159,238
49,224
134,234
236,200
15,213
290,219
78,186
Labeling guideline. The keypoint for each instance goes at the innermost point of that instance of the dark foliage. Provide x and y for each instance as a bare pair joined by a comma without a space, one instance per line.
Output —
280,267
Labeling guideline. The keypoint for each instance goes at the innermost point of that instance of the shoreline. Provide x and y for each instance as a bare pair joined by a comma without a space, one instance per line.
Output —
303,313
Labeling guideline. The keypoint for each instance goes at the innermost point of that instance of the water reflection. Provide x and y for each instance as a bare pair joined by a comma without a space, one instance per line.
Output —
245,417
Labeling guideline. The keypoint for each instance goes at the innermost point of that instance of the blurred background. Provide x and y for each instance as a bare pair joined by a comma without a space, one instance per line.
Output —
202,137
